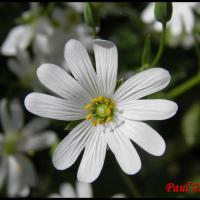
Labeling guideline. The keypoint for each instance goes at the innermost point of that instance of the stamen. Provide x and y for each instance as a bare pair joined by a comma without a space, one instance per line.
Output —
94,122
99,121
100,110
108,120
108,111
88,106
88,116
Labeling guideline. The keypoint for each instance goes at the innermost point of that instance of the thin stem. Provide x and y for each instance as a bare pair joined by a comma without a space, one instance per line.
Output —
129,183
161,47
184,87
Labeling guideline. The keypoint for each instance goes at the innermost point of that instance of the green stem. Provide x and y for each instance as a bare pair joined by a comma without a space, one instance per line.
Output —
184,87
161,47
130,185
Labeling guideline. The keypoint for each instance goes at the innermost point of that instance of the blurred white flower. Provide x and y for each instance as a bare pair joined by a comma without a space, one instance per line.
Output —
82,190
112,118
182,21
24,68
15,168
49,48
18,39
78,6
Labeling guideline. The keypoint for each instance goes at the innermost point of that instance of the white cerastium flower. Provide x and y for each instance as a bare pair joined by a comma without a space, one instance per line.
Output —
16,169
112,118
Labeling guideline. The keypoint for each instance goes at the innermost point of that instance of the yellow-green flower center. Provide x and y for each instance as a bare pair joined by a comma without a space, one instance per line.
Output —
100,110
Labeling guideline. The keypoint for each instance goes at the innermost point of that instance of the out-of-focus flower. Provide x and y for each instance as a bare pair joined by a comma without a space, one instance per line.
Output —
15,167
78,6
82,190
24,68
182,21
20,37
40,31
113,118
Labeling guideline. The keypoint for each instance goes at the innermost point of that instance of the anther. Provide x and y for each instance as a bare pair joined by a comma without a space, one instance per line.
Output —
88,116
108,120
88,106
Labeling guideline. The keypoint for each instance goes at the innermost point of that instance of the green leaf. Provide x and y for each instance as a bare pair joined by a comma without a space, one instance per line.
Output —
72,125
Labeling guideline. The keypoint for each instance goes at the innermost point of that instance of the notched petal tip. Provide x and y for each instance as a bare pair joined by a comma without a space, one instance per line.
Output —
104,43
72,43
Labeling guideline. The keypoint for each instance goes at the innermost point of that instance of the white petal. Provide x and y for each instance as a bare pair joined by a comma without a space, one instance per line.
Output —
106,58
39,141
78,6
143,135
55,196
84,190
3,169
21,65
81,67
18,39
14,177
124,151
44,26
189,20
35,125
67,191
148,13
28,173
147,109
24,192
61,83
93,157
175,25
143,84
119,196
16,68
53,107
11,121
71,146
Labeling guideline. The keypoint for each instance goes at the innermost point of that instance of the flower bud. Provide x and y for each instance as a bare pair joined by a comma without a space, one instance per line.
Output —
163,11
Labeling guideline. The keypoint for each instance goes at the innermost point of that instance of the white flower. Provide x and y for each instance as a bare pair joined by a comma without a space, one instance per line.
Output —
15,168
83,190
18,39
113,118
78,6
182,20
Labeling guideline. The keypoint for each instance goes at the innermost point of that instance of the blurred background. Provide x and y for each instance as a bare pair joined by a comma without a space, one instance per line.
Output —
35,33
